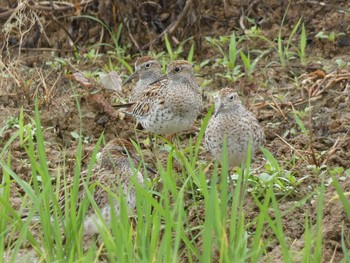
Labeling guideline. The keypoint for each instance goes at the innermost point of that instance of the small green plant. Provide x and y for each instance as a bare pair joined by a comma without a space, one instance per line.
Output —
91,74
119,50
10,122
57,63
117,64
302,45
283,182
331,37
24,130
297,115
342,64
229,55
249,66
77,137
284,47
174,54
92,55
198,67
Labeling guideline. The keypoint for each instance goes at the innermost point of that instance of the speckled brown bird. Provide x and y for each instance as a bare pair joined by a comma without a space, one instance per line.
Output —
114,173
172,103
233,120
114,176
148,70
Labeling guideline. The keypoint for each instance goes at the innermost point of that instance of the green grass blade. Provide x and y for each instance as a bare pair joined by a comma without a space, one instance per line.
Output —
257,245
341,196
190,54
317,257
209,221
168,47
308,240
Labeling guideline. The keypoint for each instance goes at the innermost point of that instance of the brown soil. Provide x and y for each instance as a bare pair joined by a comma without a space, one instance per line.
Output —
320,90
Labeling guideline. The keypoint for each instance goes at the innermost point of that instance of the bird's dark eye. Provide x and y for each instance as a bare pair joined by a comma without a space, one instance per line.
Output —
177,69
124,152
148,65
231,97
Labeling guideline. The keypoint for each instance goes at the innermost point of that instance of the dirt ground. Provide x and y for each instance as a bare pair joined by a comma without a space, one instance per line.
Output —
320,90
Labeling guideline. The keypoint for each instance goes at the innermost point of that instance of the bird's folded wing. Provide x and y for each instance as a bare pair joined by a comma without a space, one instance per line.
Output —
153,96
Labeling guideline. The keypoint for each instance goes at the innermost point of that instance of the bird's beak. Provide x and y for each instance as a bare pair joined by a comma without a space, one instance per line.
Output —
147,167
159,79
219,109
134,75
150,169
